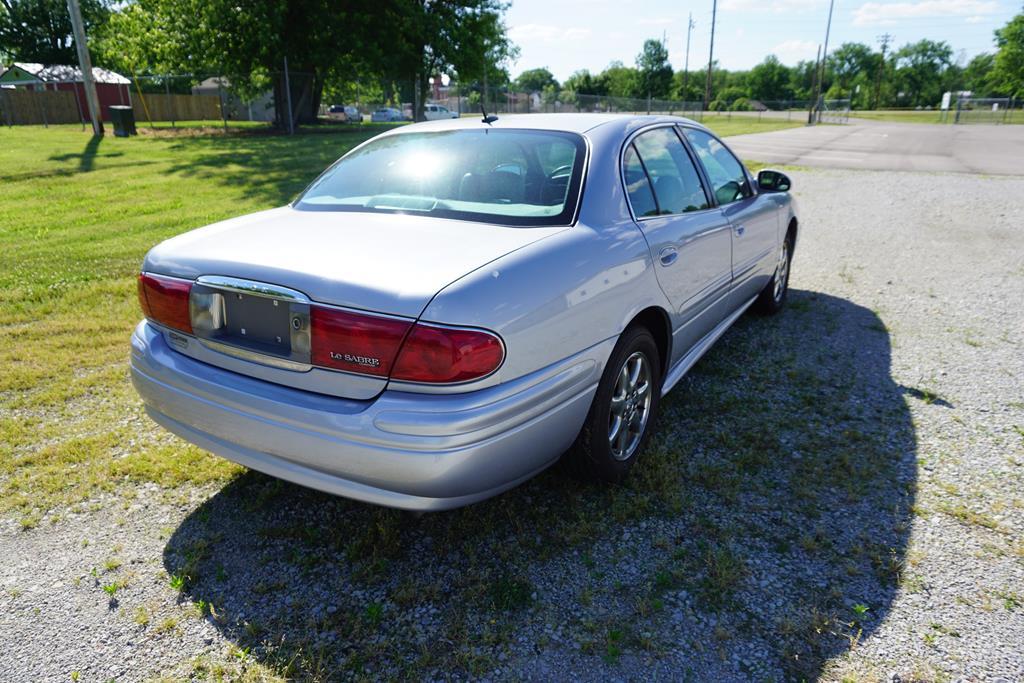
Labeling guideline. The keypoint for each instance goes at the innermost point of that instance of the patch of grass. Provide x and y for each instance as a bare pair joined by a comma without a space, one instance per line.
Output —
166,626
966,515
510,592
67,292
141,616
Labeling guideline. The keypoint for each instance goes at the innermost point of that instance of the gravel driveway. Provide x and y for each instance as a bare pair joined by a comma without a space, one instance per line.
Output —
836,493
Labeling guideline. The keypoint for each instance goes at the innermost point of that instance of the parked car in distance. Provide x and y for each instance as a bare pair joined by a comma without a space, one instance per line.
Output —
454,305
434,112
386,115
346,113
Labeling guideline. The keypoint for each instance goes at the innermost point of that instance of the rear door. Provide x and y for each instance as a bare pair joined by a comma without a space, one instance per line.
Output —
754,218
689,238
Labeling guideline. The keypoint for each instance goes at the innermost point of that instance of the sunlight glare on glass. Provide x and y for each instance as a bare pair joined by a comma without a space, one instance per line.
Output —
420,164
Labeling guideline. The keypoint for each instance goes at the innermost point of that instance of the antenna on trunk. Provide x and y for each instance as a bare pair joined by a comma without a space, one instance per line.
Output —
488,118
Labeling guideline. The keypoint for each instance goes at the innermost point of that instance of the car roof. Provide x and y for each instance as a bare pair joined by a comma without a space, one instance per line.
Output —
571,123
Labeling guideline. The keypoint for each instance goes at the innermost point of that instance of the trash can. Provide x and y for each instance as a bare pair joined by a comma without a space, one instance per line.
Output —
123,119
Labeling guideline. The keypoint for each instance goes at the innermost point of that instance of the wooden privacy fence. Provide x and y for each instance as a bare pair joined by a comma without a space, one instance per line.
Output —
43,107
28,107
176,107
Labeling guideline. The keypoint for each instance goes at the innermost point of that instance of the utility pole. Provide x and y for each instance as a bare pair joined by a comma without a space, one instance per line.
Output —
814,88
824,59
711,54
885,38
686,67
85,64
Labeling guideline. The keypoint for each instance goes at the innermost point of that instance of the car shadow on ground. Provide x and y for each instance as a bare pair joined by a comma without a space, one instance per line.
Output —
763,534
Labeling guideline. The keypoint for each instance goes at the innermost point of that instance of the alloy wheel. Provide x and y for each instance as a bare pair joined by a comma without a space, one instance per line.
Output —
630,406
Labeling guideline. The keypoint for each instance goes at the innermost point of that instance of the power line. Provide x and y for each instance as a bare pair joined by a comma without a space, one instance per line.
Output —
686,67
884,39
711,54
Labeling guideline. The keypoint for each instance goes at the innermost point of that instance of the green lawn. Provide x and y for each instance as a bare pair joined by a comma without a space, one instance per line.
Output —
933,116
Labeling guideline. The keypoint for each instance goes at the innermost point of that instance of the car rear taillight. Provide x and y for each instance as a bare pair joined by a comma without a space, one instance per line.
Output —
345,340
165,300
380,346
441,355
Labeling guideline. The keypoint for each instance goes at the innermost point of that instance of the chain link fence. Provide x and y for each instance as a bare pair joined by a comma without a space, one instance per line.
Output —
210,99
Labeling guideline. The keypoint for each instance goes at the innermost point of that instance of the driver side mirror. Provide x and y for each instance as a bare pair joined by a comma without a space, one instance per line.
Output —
773,181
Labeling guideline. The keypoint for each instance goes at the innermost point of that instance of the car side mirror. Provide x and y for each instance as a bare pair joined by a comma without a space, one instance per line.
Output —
773,181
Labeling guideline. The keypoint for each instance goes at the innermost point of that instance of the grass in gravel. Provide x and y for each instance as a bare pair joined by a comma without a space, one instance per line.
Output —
788,478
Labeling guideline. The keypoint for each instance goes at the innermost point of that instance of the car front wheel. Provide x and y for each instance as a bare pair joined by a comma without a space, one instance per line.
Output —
773,297
623,412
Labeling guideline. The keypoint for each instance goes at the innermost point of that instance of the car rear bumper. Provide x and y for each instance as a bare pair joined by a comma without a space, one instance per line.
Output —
404,450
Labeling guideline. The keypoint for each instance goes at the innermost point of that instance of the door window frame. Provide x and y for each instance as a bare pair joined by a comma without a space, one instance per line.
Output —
698,167
754,191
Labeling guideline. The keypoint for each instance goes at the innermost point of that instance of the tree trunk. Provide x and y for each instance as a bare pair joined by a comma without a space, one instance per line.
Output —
306,90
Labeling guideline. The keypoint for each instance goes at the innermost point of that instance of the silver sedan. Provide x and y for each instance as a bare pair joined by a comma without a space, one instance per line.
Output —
455,305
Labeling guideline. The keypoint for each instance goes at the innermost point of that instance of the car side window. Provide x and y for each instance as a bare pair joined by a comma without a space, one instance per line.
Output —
728,177
637,186
674,178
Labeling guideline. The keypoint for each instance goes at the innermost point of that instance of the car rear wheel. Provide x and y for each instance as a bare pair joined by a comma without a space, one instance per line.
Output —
623,412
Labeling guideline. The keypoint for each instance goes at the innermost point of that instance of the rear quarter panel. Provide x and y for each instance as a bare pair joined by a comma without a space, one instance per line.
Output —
567,292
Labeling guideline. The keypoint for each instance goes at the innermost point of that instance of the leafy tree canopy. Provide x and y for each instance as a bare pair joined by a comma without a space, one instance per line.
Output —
535,80
40,30
1008,71
654,73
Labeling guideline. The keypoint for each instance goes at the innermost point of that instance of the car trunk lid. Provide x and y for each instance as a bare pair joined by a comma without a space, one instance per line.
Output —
388,264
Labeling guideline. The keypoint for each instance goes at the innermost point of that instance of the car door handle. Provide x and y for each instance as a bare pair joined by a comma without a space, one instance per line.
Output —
668,256
740,230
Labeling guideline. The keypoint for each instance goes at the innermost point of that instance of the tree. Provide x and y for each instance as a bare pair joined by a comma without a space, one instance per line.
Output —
694,91
769,80
977,76
618,80
400,44
919,70
849,61
1008,74
801,79
247,42
465,37
535,80
583,83
654,73
40,30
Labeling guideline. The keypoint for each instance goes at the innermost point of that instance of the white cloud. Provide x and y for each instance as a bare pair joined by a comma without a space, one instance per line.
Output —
791,51
776,6
886,14
545,33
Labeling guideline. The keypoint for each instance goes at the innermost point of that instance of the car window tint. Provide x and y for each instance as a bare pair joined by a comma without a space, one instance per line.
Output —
479,174
728,179
637,185
675,180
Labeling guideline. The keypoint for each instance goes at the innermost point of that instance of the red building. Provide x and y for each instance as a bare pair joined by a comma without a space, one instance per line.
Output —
111,87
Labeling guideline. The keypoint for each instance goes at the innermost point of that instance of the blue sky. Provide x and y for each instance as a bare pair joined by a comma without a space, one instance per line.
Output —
565,35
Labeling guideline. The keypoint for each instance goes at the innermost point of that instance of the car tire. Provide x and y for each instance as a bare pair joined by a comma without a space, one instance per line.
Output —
601,452
772,298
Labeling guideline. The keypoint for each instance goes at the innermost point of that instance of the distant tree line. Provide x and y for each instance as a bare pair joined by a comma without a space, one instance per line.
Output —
914,75
388,50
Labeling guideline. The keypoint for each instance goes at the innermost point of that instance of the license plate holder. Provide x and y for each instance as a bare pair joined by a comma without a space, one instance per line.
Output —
254,320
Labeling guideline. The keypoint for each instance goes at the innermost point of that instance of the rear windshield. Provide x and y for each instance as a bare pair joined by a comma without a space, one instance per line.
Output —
511,177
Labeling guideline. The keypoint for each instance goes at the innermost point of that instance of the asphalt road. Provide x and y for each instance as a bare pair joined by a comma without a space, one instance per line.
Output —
991,149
